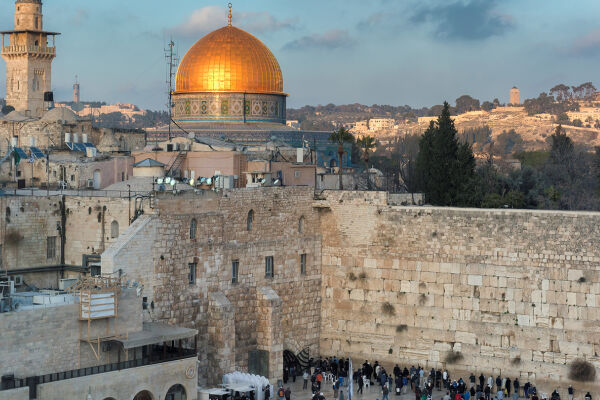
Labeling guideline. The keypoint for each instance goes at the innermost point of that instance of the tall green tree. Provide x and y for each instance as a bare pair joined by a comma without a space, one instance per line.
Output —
341,137
367,144
445,166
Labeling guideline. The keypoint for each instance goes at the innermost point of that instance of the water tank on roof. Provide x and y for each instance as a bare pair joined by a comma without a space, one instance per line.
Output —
84,137
31,141
67,137
14,141
75,138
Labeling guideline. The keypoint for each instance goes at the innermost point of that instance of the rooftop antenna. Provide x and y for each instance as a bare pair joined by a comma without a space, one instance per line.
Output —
172,60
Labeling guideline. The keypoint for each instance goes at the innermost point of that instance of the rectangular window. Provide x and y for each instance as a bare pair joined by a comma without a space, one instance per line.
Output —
192,273
122,176
235,267
269,273
72,178
51,247
297,174
303,264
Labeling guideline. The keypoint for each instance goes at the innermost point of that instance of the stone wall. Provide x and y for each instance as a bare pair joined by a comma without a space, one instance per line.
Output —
156,379
33,351
510,290
25,225
222,237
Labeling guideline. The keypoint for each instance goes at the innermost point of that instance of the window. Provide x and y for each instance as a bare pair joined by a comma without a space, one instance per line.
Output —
51,247
192,273
0,254
249,220
193,225
269,273
114,230
303,264
301,224
235,267
297,174
122,176
72,178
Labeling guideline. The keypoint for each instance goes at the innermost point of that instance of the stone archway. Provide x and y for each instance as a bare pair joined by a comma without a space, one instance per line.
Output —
176,392
143,395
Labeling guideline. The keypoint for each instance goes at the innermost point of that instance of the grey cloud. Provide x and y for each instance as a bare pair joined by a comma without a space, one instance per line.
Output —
79,17
464,20
587,45
332,39
209,18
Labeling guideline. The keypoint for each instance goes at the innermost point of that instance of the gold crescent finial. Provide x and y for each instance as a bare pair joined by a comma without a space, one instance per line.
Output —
230,5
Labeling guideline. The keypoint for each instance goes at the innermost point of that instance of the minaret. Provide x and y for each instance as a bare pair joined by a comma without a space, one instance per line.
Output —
76,97
28,59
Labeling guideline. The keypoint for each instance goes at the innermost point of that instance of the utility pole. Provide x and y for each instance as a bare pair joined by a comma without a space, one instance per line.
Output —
172,60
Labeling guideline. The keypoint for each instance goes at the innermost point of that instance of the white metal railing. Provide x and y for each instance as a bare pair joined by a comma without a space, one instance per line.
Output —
28,49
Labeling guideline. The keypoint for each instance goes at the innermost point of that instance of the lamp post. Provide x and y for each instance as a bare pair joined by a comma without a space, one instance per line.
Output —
129,202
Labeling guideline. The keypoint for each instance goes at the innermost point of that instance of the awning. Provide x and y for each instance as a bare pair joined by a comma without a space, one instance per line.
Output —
155,333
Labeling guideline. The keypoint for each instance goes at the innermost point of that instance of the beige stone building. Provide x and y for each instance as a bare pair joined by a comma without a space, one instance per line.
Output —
28,57
266,270
514,96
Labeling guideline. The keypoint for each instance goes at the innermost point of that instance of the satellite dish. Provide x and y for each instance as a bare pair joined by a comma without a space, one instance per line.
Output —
262,181
168,181
202,180
159,181
191,182
276,182
208,181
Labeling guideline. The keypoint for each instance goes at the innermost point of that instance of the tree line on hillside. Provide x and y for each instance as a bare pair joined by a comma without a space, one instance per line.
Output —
441,164
119,120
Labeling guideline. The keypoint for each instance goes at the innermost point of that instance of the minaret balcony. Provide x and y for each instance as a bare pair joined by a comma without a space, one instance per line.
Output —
28,50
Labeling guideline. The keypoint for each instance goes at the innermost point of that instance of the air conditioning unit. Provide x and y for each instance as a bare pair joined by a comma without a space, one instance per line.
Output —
17,279
90,183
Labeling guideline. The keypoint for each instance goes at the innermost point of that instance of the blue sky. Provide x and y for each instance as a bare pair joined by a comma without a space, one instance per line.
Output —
397,52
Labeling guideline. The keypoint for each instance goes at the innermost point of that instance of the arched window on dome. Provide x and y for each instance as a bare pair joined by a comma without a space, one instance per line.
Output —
193,226
250,220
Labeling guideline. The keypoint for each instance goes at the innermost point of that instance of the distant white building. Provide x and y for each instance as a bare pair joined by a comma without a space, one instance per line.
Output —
378,124
293,123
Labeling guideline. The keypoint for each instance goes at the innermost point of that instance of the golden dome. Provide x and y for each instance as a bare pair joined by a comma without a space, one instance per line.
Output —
229,60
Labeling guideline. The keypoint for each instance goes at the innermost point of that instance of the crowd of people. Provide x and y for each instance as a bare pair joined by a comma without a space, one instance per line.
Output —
419,381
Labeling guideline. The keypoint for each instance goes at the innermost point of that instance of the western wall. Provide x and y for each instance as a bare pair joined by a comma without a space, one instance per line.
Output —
500,291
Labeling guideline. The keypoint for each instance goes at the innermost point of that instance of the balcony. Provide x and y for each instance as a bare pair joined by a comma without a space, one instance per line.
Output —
28,50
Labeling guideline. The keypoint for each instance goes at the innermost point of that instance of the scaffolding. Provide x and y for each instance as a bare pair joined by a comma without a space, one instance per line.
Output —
98,301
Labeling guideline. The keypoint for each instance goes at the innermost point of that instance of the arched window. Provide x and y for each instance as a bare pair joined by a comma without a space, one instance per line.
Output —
301,224
144,395
250,220
193,225
176,392
114,229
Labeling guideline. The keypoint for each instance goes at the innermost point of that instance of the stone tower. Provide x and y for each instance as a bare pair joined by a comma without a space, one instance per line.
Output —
514,96
76,93
28,59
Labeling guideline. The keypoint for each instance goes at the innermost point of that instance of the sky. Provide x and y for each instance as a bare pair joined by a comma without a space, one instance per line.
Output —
415,52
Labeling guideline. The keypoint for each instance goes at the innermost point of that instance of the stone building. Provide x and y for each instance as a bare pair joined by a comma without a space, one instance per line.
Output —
260,271
514,96
28,57
62,346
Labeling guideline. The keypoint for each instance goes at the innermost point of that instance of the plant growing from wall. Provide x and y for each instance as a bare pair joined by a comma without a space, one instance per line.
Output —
516,360
453,357
582,371
388,309
12,237
362,276
401,328
351,276
422,299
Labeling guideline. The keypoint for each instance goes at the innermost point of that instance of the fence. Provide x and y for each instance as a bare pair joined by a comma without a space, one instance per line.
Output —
72,192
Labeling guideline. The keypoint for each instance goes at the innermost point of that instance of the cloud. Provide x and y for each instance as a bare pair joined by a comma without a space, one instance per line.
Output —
79,17
372,21
464,20
332,39
587,45
209,18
